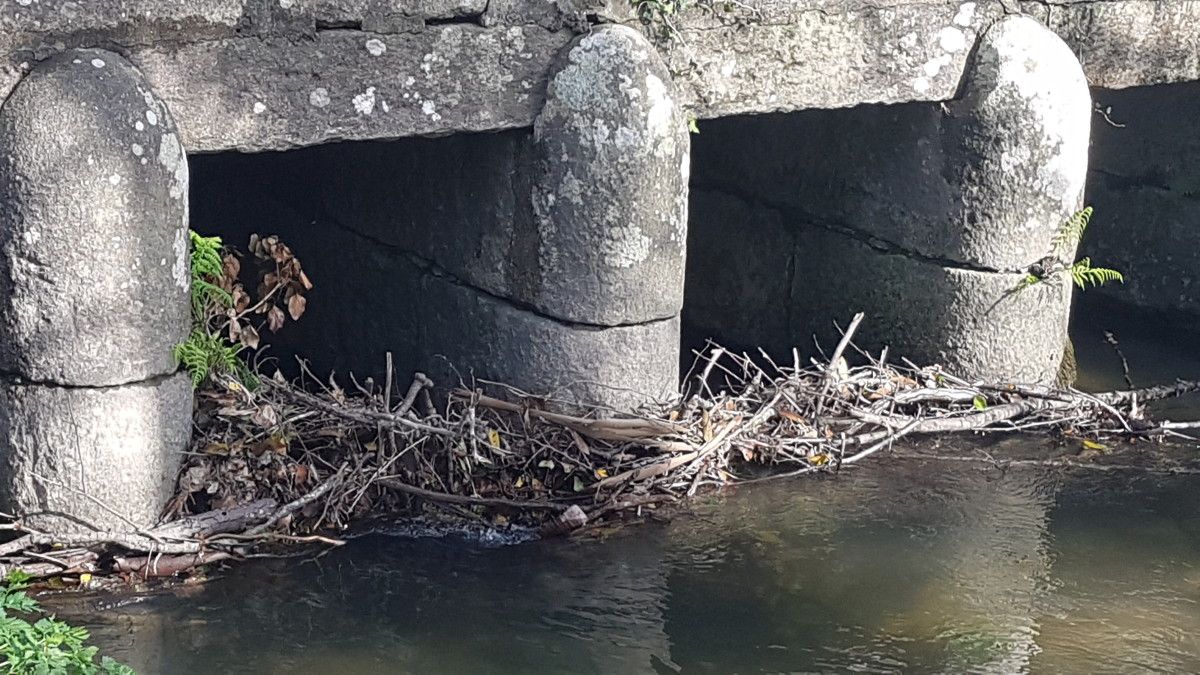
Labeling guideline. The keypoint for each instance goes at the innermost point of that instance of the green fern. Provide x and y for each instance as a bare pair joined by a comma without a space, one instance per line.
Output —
207,267
205,354
1065,241
206,351
206,255
1083,274
1071,232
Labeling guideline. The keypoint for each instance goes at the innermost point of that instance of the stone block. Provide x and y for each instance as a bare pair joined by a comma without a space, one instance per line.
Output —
94,275
461,202
969,322
1017,146
1145,187
65,452
610,188
279,93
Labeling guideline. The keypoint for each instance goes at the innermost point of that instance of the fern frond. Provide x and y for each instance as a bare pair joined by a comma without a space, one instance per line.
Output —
1083,274
1071,232
205,354
207,268
192,356
206,256
203,292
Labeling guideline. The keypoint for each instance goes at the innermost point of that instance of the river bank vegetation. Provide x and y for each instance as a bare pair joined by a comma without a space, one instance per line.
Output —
45,644
280,465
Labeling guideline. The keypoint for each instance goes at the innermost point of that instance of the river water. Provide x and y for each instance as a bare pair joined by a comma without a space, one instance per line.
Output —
905,564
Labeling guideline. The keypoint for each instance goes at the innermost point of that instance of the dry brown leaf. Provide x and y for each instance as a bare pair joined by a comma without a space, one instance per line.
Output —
241,300
249,337
275,319
265,417
232,266
296,306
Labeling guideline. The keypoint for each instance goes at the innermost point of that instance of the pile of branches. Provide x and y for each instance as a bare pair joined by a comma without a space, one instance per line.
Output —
303,461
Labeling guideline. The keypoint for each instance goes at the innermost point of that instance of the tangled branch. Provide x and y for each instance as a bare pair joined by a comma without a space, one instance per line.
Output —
292,460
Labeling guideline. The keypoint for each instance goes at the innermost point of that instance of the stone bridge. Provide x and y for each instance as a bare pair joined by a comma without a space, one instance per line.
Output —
909,159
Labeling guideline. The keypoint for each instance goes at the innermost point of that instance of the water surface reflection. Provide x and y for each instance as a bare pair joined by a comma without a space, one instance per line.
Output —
904,565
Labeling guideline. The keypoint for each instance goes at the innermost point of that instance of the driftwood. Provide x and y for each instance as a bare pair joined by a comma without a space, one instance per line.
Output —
280,465
151,566
207,524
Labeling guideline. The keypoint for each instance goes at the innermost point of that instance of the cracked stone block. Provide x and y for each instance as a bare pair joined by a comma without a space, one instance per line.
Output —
93,226
461,202
280,93
94,294
970,322
610,185
620,367
65,451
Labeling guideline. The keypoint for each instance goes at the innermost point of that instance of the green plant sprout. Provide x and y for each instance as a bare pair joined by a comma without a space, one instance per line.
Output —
1082,273
206,352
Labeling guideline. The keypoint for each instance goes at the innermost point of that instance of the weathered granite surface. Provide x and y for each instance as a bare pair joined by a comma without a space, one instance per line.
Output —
93,226
94,294
274,74
611,185
62,447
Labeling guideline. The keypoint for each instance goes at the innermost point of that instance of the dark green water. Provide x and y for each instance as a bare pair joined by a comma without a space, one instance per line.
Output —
903,565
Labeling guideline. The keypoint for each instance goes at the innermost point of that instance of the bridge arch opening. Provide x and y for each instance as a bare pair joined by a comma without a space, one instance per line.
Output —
799,220
429,248
404,240
1144,183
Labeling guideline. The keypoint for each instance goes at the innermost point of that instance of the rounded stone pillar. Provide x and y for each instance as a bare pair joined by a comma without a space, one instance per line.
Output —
610,211
93,296
1016,162
950,209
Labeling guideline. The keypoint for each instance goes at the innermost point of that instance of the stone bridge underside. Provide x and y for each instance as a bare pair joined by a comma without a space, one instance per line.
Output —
558,260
